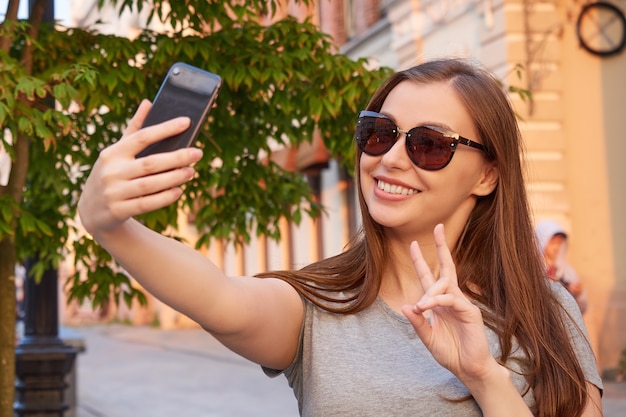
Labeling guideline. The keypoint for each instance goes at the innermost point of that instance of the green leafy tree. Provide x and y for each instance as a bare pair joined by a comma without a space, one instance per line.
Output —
282,81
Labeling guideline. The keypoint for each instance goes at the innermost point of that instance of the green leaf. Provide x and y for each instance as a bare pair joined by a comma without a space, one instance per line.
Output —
25,126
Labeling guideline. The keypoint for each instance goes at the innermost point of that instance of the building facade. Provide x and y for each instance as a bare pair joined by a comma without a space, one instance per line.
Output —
573,128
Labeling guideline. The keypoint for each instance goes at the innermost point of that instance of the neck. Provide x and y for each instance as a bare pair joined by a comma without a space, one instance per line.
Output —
400,283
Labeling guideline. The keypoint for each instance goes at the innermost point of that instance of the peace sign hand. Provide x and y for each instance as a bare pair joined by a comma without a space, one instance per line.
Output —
449,325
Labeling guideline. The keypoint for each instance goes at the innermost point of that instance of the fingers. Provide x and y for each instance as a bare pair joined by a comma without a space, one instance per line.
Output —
163,162
441,294
420,323
110,197
437,292
421,266
144,204
446,263
148,185
142,138
136,139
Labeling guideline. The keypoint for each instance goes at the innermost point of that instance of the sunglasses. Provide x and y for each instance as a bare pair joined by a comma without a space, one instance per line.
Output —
429,147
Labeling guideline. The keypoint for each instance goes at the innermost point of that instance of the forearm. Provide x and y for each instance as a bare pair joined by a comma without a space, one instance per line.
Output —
497,396
176,274
258,318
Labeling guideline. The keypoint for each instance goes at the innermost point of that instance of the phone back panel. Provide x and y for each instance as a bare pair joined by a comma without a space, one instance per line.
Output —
186,91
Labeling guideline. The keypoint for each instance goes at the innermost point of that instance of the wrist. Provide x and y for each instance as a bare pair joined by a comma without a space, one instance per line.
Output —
104,236
493,373
495,392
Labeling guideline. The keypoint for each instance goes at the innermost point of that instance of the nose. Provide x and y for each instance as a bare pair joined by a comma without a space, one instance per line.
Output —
397,156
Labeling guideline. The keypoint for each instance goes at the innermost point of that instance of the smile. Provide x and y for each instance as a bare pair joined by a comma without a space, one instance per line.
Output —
395,189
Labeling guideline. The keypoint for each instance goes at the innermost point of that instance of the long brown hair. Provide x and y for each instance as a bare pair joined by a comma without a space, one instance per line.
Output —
496,257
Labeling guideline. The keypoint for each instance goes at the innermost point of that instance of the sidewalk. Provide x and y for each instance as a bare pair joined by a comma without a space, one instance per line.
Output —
614,399
141,371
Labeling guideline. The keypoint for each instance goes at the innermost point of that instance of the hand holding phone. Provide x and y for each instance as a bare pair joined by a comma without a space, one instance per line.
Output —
185,91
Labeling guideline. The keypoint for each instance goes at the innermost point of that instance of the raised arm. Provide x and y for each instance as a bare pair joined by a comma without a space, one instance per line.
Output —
257,318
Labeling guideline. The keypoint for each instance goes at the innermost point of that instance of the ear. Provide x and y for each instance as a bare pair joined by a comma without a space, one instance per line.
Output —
488,181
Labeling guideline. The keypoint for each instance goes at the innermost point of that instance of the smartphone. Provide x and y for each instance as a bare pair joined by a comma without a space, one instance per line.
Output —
185,91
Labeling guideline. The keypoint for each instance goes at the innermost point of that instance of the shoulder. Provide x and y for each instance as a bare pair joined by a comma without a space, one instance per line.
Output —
564,298
571,315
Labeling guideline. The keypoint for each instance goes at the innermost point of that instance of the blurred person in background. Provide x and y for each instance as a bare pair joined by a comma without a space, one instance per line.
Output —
553,244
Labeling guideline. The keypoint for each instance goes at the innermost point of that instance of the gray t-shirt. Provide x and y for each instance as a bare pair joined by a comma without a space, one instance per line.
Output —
373,364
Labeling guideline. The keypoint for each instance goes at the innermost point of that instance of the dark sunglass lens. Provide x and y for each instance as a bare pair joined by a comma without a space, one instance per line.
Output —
375,135
428,148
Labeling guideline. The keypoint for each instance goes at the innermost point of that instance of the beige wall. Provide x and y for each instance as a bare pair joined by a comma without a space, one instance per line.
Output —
574,138
595,124
614,89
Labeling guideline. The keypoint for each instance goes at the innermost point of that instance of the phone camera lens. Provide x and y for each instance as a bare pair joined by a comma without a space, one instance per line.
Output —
176,71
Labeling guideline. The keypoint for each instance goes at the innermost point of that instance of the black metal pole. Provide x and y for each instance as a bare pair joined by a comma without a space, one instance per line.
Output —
42,360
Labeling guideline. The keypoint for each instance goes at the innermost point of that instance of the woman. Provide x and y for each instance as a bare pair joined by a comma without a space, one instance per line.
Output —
439,307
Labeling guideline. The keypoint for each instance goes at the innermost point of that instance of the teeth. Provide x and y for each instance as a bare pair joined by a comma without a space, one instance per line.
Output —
395,189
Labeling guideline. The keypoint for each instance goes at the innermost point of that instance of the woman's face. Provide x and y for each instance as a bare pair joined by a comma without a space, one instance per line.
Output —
411,200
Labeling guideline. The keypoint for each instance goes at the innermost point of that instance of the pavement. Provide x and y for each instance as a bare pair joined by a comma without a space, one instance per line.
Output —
131,371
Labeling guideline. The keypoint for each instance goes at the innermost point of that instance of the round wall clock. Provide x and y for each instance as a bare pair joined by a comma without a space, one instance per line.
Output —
601,28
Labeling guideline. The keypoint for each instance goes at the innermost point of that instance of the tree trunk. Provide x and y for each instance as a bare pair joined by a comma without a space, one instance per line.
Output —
15,187
8,313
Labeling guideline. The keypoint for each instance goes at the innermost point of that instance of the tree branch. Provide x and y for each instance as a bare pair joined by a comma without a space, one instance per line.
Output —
9,17
35,19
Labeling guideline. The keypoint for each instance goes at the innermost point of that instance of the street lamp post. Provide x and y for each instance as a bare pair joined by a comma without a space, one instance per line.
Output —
42,360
